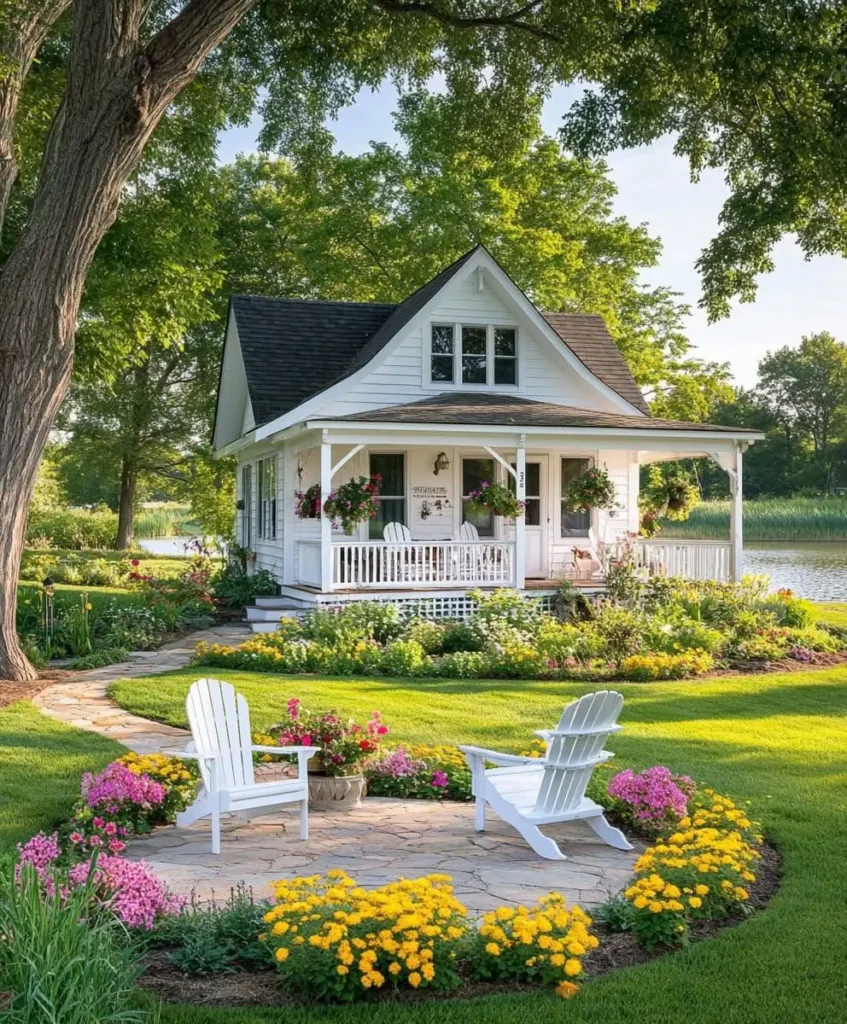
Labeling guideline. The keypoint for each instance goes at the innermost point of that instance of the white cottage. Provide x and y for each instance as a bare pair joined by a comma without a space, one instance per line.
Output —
462,382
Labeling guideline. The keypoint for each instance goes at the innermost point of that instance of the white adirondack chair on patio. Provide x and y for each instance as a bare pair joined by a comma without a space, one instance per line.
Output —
528,792
220,729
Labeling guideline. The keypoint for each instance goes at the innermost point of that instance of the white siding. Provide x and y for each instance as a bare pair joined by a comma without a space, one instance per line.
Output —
401,374
268,550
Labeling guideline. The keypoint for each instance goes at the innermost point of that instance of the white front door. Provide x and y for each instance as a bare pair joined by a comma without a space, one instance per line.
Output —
535,515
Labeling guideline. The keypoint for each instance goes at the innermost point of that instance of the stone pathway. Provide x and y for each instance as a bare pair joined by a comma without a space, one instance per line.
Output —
84,702
379,842
376,843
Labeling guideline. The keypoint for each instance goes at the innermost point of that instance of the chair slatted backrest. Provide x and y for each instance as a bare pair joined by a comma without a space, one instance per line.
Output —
575,747
397,533
220,726
468,532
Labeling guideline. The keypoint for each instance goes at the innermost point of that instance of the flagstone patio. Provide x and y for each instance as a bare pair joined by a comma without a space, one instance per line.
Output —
377,843
381,841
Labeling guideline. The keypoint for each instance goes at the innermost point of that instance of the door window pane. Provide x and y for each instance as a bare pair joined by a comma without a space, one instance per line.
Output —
474,473
392,492
505,355
442,353
532,512
574,524
474,364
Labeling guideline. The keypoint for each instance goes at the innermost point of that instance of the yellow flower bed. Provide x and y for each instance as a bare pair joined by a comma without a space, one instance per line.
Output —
333,940
179,778
543,943
702,870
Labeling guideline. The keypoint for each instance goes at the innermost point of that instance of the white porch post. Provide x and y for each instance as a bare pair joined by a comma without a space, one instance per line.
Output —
520,522
736,516
326,524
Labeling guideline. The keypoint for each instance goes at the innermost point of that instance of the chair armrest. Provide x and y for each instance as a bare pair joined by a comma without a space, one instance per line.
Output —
497,758
192,755
309,751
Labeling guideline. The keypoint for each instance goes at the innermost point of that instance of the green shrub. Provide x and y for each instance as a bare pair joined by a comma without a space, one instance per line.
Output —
361,620
215,940
75,569
72,528
429,634
458,637
622,630
814,639
405,658
790,610
235,588
685,635
462,665
61,959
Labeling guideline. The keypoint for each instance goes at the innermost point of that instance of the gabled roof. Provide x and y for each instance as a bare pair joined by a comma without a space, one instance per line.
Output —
588,338
482,408
294,349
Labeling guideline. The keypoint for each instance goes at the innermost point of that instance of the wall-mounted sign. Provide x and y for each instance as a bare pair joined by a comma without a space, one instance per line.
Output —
430,503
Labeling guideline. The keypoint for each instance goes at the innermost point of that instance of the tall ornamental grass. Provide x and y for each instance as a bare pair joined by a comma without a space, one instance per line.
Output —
767,519
61,960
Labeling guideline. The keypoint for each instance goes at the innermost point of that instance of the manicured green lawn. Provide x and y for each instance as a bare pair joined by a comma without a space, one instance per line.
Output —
777,740
832,613
41,762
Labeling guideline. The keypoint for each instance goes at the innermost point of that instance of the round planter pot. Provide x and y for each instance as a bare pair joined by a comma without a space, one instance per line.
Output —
339,793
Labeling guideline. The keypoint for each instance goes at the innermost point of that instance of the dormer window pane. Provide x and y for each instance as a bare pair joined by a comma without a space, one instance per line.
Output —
474,363
442,353
505,355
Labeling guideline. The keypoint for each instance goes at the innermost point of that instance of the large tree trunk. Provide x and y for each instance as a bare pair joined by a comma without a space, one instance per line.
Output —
116,94
126,509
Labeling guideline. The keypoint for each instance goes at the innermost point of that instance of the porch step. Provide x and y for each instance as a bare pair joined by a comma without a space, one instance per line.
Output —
264,627
255,614
281,603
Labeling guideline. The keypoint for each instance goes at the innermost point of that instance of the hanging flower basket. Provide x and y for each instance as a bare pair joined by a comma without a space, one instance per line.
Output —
308,503
497,499
355,502
592,488
682,495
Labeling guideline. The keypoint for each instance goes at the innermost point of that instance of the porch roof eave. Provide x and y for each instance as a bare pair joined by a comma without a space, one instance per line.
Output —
345,431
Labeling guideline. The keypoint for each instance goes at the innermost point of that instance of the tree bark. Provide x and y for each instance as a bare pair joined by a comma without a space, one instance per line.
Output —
117,92
126,509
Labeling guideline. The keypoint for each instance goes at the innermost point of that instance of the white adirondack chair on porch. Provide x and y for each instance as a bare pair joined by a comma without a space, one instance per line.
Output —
529,792
220,729
398,537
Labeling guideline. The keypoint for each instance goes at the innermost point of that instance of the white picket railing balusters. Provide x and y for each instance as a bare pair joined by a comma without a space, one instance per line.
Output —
377,564
692,559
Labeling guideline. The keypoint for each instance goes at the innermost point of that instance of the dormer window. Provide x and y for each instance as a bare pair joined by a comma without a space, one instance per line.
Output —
474,355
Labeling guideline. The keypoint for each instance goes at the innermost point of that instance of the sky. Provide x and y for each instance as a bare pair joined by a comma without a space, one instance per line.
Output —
654,187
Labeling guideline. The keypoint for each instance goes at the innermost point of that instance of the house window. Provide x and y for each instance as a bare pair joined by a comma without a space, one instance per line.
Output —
574,524
442,353
267,499
505,355
474,355
247,506
392,492
474,473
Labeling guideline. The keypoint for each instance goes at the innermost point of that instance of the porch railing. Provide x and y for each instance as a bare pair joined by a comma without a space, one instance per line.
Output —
422,564
692,559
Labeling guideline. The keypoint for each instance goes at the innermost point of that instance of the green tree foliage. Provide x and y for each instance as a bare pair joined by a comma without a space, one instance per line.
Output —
400,214
211,492
756,89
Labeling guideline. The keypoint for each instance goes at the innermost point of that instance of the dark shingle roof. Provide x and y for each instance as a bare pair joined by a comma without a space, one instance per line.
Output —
506,410
588,338
294,348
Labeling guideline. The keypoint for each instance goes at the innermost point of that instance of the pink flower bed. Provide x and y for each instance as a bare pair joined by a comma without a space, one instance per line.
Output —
653,797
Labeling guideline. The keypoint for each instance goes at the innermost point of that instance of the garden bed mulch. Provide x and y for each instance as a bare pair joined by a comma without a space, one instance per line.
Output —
254,989
783,665
10,691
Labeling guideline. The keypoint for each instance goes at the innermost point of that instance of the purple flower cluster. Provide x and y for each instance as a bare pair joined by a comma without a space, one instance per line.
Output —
802,654
116,787
439,780
131,890
654,795
400,764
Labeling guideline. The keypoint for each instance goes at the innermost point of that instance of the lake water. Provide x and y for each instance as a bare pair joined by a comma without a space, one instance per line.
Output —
816,570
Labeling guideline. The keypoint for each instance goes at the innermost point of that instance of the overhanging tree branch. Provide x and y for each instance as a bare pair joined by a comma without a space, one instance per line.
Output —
511,20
